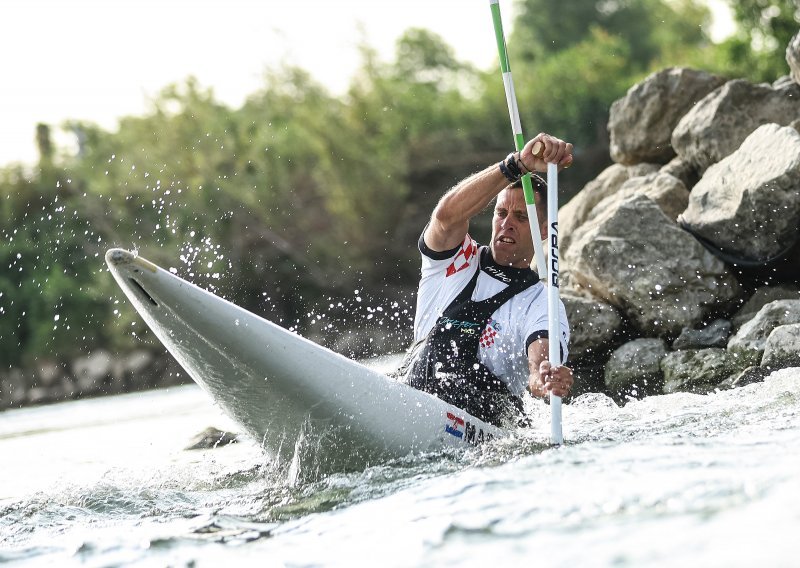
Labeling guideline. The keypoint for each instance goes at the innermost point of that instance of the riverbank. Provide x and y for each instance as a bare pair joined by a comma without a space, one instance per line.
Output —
99,373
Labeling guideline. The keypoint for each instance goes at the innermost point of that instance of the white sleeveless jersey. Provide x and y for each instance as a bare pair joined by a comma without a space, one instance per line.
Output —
503,345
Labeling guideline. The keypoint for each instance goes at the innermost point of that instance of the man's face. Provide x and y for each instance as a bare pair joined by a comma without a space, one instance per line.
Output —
511,231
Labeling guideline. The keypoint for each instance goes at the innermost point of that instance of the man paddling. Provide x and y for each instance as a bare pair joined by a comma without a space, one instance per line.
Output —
480,326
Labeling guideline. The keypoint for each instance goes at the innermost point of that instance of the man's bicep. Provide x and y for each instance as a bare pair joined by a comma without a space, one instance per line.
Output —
439,238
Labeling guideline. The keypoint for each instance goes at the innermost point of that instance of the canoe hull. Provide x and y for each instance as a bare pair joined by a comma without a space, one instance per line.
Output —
302,402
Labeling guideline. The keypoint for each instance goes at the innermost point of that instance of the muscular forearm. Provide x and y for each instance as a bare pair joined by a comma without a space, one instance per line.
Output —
450,219
537,352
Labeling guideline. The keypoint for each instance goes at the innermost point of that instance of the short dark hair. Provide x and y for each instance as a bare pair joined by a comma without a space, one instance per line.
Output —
539,188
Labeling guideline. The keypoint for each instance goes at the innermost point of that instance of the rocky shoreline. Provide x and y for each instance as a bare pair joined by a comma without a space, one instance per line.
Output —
99,373
680,263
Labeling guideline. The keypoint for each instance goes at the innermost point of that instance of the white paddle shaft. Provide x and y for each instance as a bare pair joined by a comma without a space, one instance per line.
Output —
553,323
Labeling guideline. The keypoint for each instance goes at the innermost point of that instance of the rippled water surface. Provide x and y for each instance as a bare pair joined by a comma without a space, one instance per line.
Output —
671,480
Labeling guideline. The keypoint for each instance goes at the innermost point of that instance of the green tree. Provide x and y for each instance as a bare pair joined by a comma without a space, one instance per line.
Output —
571,60
757,48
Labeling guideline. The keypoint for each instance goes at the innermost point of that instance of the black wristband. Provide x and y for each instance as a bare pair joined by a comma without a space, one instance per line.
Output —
509,176
511,165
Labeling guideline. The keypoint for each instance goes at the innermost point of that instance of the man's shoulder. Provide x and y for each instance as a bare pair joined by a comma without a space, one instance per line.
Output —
451,261
467,248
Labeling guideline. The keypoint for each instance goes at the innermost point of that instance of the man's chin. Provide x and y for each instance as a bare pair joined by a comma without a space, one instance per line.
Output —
509,260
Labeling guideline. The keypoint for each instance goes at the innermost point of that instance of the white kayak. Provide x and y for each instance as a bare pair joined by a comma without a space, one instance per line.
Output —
299,400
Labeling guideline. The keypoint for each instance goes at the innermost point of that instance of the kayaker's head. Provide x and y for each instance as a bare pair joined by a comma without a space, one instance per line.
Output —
511,232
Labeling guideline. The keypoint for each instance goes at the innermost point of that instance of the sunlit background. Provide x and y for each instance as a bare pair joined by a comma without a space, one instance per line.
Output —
98,60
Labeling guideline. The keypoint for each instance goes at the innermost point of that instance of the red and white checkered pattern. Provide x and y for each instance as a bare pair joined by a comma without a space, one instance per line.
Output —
487,337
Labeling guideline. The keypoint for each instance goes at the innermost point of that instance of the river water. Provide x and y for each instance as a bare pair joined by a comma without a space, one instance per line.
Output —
676,480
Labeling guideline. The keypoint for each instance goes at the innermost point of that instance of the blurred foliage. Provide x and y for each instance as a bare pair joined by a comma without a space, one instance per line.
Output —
297,199
577,57
757,49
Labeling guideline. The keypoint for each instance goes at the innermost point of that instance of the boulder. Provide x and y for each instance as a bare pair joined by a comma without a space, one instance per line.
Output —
714,334
793,57
752,374
751,339
635,368
667,191
760,298
718,124
682,170
49,373
93,371
748,205
637,259
699,370
211,438
640,124
783,347
579,208
15,386
593,324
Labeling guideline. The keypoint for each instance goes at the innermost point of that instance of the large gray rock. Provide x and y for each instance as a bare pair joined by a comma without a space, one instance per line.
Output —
748,205
578,209
751,339
699,371
714,334
667,191
637,259
793,57
594,324
760,298
641,123
783,347
718,124
635,368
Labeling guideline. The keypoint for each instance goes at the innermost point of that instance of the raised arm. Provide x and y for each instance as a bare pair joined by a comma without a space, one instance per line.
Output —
450,219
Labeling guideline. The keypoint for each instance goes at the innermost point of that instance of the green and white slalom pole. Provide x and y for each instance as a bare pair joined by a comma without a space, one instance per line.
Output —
519,140
551,273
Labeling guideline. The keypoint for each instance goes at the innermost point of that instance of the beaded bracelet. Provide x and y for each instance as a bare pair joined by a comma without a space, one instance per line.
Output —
521,165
